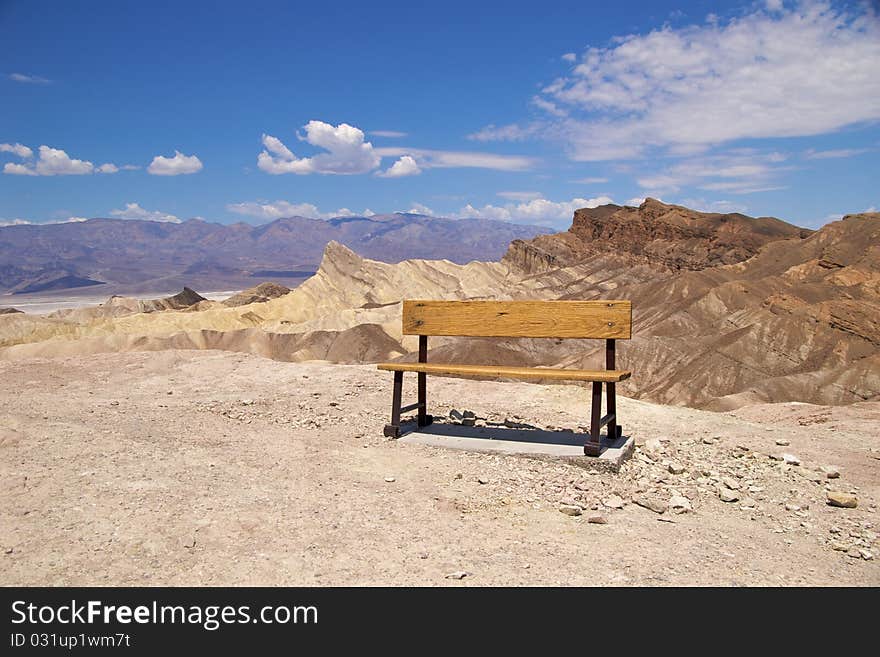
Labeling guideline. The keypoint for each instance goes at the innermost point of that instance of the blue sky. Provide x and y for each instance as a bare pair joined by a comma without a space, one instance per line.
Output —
235,111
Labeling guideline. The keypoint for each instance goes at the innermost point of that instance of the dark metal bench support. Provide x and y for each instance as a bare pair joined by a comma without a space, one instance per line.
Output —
592,446
614,429
393,430
423,419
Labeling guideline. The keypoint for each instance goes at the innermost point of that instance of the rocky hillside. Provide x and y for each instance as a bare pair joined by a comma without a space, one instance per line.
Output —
670,237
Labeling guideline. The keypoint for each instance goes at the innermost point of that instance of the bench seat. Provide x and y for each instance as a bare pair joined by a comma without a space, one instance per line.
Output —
506,371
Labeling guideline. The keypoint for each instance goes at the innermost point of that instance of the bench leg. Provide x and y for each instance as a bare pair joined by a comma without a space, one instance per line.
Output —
591,448
614,429
393,430
423,418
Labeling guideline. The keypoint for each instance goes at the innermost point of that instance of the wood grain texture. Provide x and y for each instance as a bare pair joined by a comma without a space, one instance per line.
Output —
510,372
519,319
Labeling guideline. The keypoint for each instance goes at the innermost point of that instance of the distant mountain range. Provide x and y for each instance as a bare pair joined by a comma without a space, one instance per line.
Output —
133,255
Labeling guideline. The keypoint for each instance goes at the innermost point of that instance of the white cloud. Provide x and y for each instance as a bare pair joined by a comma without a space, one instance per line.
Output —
12,169
135,211
512,132
177,165
520,196
548,106
17,149
739,171
51,162
129,167
405,166
28,79
591,181
431,159
569,57
635,202
269,211
537,211
781,73
418,208
394,134
835,153
28,222
55,162
346,152
721,207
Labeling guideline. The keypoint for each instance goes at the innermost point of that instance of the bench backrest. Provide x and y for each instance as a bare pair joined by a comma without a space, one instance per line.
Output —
519,319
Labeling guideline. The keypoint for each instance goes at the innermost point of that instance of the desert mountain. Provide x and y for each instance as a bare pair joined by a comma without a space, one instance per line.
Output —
669,237
147,255
796,321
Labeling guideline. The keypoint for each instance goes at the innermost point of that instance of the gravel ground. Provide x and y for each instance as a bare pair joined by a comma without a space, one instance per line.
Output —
213,468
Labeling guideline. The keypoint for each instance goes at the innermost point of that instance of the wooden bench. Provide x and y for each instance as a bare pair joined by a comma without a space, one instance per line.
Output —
607,320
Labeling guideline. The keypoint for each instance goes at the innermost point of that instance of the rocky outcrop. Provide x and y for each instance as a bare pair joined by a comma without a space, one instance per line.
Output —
259,294
665,236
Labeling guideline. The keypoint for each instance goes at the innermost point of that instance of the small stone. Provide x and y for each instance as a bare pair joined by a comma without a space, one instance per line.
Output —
114,403
792,507
791,459
680,504
854,553
665,519
748,503
458,574
7,551
651,504
390,480
653,449
613,502
841,499
708,441
867,555
727,495
597,519
482,480
730,482
570,509
775,457
675,467
830,471
783,442
837,546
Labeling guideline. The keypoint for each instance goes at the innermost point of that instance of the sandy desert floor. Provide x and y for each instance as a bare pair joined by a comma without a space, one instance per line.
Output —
213,468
